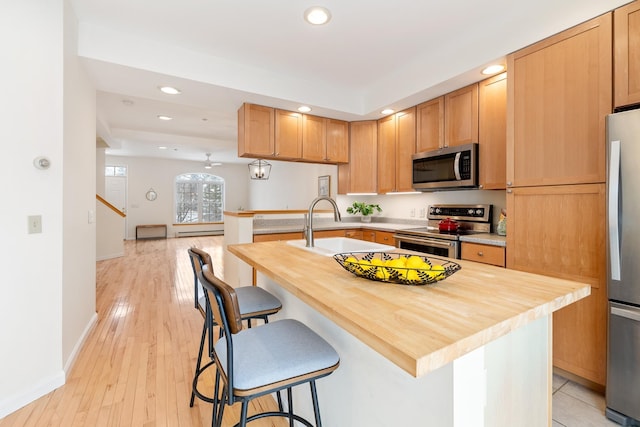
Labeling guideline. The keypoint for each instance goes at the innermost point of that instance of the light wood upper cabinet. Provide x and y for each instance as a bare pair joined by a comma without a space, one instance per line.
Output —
386,154
256,136
559,93
270,133
461,116
492,132
325,140
288,134
626,54
560,231
360,175
430,125
396,145
405,148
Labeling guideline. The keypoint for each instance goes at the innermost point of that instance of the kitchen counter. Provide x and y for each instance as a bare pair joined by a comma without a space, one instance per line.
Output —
474,349
332,225
469,309
486,239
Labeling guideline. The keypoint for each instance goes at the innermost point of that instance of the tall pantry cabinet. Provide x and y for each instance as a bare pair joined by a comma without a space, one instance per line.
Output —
559,92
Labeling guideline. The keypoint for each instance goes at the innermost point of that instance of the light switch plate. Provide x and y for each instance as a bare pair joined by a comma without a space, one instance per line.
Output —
34,224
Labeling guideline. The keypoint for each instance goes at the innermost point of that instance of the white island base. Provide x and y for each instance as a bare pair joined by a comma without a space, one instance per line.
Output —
506,382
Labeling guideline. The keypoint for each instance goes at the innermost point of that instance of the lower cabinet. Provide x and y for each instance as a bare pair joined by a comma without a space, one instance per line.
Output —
559,231
354,234
487,254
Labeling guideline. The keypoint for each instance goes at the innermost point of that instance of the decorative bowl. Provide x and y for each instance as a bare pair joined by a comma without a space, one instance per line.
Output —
394,267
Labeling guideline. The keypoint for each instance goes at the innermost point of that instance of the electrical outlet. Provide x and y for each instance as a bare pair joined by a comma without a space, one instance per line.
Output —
412,213
34,224
422,213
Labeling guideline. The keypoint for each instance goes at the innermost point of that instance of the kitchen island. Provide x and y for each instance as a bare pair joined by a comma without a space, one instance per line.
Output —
472,350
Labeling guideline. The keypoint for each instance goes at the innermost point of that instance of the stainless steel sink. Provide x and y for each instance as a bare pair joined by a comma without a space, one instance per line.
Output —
330,246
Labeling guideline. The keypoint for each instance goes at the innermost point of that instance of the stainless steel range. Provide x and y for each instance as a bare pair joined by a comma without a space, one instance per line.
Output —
466,219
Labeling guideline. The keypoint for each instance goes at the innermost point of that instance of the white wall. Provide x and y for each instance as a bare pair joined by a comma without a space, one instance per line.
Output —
290,186
47,297
159,174
79,202
31,42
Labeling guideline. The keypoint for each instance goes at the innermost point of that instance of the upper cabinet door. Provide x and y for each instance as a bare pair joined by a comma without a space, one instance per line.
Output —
387,154
337,141
430,125
405,148
559,93
461,116
314,139
288,135
256,131
492,138
626,54
362,168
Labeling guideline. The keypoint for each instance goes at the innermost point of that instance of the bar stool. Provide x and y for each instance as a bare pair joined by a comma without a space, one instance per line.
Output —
260,361
255,303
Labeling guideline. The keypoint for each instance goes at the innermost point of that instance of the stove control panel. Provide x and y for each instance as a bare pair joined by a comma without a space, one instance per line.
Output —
480,213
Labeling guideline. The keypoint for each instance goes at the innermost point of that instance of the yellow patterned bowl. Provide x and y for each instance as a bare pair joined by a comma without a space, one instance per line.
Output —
393,267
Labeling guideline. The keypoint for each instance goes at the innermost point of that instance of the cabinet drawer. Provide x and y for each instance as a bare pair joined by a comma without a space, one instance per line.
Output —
487,254
353,234
385,237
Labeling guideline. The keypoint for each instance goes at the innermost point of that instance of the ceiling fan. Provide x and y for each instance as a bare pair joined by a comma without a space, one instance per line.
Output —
209,164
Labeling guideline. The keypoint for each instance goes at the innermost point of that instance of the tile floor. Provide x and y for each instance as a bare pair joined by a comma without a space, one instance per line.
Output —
577,406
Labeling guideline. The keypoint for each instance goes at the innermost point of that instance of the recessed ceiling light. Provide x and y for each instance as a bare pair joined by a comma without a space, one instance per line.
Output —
161,117
493,69
304,109
317,15
169,90
387,111
162,147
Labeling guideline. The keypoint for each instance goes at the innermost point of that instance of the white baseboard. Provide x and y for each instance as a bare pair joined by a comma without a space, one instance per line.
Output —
79,344
14,403
110,256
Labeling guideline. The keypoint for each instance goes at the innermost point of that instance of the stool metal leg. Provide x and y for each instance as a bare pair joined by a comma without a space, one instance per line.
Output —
314,397
290,404
195,377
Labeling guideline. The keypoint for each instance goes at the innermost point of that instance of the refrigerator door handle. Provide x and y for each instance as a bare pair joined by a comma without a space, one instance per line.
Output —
626,313
614,226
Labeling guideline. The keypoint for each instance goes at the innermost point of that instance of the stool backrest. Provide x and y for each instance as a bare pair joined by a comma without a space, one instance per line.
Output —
224,302
199,259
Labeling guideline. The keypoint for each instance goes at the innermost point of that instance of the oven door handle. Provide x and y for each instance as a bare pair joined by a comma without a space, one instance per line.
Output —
422,241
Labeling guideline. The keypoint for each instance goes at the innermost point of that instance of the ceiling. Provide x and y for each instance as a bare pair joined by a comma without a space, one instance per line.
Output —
371,55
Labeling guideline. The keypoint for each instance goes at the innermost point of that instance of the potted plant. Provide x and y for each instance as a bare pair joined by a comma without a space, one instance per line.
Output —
364,209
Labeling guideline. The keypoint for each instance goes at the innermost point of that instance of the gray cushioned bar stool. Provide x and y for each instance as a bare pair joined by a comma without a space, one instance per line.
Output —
254,303
263,360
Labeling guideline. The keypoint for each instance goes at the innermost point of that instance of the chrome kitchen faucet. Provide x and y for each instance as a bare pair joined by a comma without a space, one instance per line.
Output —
308,227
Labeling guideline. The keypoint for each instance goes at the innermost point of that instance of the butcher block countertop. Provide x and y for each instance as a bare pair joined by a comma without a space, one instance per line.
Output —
419,328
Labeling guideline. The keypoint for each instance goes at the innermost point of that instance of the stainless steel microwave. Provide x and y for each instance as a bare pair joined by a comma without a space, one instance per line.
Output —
449,168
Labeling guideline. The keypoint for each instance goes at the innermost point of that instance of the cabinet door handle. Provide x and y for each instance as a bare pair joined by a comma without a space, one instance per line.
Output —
509,183
480,253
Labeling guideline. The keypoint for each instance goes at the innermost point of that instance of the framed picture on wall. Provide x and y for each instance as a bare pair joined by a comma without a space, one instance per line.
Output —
324,186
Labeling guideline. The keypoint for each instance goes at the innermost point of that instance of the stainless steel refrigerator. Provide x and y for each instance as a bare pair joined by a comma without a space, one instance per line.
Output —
623,241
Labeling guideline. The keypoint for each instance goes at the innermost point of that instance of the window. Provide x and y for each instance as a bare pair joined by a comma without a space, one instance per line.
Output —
199,198
115,171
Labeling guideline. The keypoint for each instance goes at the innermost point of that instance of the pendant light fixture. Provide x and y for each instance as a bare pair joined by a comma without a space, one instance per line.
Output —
259,169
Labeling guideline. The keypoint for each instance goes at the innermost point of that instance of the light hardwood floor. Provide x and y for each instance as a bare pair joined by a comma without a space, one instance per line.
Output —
136,366
137,363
